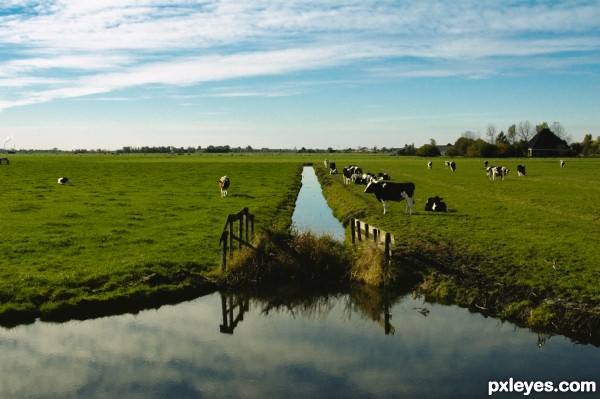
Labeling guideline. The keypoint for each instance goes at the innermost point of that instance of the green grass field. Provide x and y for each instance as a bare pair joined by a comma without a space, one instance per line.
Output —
126,217
539,231
123,218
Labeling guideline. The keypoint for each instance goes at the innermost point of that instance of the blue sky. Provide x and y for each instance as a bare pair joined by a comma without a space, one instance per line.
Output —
283,74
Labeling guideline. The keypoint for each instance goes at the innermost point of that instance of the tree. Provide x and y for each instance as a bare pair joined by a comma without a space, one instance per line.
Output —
480,148
559,130
501,139
586,145
541,126
512,134
524,131
428,150
491,133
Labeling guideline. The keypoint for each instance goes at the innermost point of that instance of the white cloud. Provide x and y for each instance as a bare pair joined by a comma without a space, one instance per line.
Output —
68,48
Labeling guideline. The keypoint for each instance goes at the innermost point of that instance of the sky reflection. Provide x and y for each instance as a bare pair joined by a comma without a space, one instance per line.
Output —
178,351
312,213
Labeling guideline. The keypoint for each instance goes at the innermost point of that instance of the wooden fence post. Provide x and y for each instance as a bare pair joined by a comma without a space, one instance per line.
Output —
224,250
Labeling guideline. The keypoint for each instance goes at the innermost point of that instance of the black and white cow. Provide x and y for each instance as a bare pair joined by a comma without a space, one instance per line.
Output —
385,191
453,166
365,178
485,165
562,163
383,176
435,204
351,173
446,164
63,180
521,170
497,171
332,169
224,185
429,164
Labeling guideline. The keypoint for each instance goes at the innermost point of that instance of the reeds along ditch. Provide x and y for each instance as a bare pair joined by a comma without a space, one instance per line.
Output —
306,258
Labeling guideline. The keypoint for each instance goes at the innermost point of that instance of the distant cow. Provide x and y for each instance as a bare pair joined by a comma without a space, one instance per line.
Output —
497,171
435,204
365,178
485,165
332,168
224,185
429,165
446,164
351,173
562,163
521,170
385,191
63,180
453,166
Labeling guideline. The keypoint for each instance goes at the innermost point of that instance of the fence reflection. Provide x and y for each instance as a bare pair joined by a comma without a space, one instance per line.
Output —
233,309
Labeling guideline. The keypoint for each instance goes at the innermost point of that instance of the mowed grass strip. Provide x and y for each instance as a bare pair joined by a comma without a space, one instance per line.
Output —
538,230
124,217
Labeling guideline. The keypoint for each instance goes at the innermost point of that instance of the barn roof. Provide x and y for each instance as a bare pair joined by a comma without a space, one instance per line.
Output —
546,140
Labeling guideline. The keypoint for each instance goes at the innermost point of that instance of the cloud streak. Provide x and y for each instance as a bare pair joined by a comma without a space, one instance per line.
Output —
57,49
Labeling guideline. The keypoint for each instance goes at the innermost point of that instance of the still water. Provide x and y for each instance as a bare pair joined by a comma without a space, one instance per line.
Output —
221,346
359,344
312,212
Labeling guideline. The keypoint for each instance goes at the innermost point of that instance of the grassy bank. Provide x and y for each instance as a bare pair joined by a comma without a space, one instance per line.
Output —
523,249
127,229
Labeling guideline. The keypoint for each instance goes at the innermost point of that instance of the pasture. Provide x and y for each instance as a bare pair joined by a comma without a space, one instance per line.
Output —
124,218
538,231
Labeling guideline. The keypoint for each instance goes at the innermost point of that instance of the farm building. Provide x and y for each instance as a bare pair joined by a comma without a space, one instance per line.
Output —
547,144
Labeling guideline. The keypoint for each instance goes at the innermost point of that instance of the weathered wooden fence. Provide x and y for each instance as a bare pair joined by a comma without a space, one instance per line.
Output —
360,230
242,234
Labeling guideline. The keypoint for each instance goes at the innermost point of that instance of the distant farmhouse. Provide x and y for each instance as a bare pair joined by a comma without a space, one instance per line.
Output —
547,144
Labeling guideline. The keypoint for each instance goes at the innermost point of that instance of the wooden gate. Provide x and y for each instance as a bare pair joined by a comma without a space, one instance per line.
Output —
243,234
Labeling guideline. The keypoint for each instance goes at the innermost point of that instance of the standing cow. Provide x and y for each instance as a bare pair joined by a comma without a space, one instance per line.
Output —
385,191
224,185
521,170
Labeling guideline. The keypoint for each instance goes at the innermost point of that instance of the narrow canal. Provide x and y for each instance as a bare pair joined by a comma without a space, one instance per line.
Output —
312,212
359,344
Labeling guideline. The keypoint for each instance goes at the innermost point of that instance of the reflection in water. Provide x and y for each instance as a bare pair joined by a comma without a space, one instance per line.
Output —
332,345
312,212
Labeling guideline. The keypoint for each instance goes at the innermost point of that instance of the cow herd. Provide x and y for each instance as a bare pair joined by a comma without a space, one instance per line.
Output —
385,191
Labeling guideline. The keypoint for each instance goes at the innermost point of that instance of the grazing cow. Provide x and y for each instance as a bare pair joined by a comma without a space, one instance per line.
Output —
332,169
365,178
435,204
429,165
326,163
562,163
485,165
63,180
497,171
453,166
385,192
351,173
224,185
446,164
521,170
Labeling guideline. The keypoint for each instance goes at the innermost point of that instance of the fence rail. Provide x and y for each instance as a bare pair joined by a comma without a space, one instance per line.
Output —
360,230
245,232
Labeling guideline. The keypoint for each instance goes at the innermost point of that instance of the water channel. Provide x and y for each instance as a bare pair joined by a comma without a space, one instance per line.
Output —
339,345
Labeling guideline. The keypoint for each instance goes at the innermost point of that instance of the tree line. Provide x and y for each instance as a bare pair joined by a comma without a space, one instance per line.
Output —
513,143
